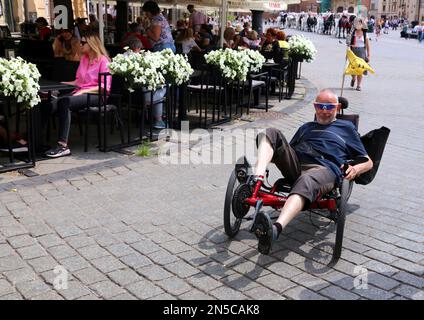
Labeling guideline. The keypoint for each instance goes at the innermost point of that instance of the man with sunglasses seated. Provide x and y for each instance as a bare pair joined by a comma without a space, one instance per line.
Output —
312,163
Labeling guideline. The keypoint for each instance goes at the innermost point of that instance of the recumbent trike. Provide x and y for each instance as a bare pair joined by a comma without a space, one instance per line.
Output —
242,194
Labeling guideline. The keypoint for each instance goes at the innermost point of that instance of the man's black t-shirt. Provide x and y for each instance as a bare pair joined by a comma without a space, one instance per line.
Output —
328,145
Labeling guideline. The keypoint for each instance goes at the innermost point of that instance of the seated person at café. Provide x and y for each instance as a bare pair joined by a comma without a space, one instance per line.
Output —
247,27
269,43
94,60
135,32
66,46
282,40
205,37
18,143
251,41
43,30
186,39
181,26
135,45
93,24
80,28
229,36
281,52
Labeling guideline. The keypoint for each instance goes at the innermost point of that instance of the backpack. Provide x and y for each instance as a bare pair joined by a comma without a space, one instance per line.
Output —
374,143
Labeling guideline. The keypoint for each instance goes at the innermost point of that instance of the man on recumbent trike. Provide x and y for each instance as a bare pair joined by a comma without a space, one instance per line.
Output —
313,163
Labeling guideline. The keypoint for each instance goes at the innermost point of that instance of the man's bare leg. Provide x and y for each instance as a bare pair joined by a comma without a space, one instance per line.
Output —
265,153
295,202
291,209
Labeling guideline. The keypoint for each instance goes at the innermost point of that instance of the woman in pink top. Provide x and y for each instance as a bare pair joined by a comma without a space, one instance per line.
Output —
94,60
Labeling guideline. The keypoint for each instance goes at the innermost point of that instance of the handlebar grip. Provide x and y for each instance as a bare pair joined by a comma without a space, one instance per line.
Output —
345,167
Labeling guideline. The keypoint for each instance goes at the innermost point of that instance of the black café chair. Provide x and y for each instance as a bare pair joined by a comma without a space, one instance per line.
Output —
209,90
108,104
257,82
5,31
279,73
64,70
179,48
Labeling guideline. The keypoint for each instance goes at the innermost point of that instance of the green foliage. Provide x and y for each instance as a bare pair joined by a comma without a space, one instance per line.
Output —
145,150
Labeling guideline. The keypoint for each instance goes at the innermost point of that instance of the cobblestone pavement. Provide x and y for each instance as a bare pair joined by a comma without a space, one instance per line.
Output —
131,228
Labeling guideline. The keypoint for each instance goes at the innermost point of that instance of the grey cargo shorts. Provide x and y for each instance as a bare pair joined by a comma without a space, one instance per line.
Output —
308,179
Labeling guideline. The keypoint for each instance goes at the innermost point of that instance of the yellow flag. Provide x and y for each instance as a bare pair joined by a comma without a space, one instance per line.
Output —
357,66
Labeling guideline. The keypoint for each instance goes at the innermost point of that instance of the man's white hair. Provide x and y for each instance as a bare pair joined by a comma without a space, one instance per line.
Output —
330,91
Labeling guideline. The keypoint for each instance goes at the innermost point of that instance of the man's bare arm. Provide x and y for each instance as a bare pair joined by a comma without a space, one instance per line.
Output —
354,171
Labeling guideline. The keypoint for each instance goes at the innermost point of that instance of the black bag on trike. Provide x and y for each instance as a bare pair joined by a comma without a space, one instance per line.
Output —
374,143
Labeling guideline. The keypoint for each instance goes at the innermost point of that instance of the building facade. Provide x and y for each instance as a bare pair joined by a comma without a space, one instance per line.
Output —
373,8
351,6
413,10
305,6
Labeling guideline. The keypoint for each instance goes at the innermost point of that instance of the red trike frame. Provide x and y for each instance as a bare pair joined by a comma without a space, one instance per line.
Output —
270,199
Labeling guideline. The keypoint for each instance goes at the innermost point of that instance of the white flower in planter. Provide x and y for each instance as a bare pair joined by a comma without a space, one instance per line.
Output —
19,80
151,69
303,47
235,64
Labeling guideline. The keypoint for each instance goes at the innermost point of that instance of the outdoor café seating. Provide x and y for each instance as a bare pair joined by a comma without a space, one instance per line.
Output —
124,118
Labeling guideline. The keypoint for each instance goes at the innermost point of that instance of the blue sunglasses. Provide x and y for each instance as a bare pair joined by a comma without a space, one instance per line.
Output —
325,106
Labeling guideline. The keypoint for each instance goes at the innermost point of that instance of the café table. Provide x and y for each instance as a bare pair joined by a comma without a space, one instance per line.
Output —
49,85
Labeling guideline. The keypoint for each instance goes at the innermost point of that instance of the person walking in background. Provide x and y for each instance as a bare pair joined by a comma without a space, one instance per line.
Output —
386,27
419,29
371,25
378,27
360,46
420,39
159,31
404,31
196,18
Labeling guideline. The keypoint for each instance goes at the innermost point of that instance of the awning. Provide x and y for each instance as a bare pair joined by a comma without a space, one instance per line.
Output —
233,5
